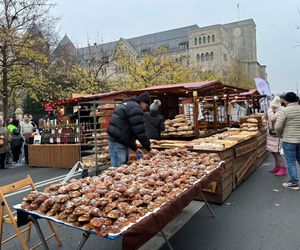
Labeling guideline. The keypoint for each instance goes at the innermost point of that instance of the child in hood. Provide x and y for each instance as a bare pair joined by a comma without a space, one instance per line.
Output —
16,145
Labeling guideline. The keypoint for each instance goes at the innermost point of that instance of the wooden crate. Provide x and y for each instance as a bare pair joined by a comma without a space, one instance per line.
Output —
245,147
261,138
262,158
218,187
243,166
216,198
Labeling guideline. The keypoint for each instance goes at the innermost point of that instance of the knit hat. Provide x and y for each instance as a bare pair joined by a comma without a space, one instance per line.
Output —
155,105
144,97
275,102
290,97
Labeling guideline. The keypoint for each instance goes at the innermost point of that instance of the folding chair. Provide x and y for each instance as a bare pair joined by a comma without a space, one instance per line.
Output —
9,217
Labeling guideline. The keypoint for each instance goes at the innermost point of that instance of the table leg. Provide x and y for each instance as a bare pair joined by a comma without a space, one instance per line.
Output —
39,231
166,240
208,206
85,237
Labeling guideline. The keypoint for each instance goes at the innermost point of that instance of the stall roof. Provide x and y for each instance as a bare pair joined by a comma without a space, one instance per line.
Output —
83,98
252,92
204,88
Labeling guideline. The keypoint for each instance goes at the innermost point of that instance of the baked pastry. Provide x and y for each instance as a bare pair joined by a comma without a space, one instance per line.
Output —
110,207
85,218
74,194
122,222
113,229
72,217
80,210
100,221
137,203
115,214
62,198
88,227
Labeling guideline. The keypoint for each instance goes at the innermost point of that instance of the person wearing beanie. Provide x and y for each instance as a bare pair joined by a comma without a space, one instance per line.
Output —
154,121
287,127
127,124
274,142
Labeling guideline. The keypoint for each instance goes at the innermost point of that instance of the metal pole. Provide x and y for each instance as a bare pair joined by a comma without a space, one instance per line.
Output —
39,231
166,240
85,237
208,206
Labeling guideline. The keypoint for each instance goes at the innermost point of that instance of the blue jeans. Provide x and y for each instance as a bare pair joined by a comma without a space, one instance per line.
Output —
119,154
292,154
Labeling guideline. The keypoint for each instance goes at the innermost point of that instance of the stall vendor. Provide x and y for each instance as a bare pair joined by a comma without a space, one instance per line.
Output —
127,125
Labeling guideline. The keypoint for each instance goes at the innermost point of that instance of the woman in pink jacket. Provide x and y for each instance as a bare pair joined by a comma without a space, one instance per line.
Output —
274,142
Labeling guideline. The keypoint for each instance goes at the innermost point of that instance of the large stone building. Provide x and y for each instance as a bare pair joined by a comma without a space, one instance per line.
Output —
209,48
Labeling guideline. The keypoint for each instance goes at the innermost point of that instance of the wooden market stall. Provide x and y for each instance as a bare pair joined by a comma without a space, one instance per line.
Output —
64,140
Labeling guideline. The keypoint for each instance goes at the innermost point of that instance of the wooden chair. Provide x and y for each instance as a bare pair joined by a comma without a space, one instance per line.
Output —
7,216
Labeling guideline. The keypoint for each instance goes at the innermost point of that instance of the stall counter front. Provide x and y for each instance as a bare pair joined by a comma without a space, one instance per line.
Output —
53,155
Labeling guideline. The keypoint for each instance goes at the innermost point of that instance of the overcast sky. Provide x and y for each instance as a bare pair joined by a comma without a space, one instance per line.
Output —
277,26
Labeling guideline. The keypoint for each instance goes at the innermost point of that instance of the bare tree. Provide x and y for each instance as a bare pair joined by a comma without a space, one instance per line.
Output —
25,31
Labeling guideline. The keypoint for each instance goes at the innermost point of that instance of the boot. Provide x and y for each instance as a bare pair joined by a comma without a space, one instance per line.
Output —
275,169
281,172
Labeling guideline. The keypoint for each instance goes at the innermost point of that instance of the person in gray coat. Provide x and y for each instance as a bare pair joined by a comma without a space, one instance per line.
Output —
154,121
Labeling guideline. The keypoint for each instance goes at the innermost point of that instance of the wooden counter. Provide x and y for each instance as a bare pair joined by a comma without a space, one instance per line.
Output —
53,156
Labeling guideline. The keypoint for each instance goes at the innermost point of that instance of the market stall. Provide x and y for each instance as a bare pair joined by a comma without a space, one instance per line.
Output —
134,201
74,132
243,150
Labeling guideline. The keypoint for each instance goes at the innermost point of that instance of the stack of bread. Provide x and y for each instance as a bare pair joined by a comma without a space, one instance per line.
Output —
180,126
109,203
251,125
212,143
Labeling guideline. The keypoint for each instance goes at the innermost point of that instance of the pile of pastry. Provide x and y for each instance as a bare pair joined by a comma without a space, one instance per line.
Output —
112,201
251,125
180,126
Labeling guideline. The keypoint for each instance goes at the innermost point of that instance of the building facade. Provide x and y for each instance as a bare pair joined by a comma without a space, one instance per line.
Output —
211,48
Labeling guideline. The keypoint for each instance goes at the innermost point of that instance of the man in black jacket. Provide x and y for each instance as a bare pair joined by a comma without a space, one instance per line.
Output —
127,125
154,121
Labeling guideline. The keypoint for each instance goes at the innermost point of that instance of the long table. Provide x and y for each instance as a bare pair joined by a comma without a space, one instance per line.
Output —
142,231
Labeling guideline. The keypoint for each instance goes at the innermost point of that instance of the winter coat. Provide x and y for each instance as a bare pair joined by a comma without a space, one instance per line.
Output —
274,142
16,139
154,123
288,123
4,148
10,128
127,125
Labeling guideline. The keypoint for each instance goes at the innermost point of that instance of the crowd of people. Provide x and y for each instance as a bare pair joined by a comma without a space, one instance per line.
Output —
14,139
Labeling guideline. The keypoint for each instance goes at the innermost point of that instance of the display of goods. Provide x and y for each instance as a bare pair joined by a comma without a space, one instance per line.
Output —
252,123
180,126
212,143
119,197
90,160
171,144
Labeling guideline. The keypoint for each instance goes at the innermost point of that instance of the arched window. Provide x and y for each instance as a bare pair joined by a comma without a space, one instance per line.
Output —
198,58
207,56
202,57
200,40
196,40
213,38
204,39
212,56
208,39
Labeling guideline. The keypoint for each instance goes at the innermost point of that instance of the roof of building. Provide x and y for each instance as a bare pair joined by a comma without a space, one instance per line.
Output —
170,38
